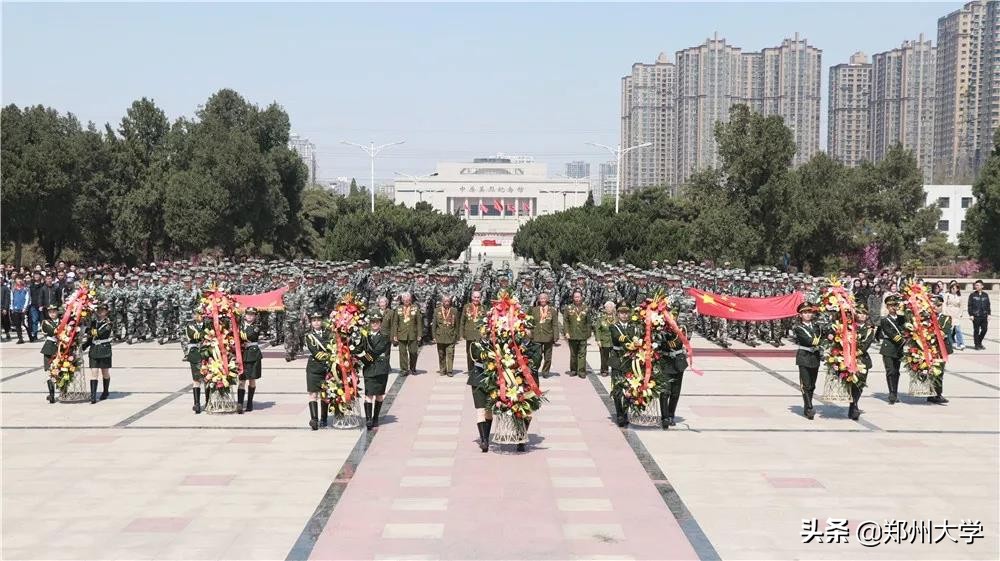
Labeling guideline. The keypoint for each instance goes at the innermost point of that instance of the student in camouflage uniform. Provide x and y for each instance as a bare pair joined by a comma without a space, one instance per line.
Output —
292,299
136,321
602,334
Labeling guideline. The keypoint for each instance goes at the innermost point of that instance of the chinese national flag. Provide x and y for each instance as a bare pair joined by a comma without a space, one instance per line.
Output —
511,208
498,205
483,209
268,301
466,205
526,207
746,309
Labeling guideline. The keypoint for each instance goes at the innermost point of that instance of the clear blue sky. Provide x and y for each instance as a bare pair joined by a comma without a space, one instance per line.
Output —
454,80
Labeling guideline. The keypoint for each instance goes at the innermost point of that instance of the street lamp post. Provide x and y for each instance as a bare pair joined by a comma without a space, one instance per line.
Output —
372,151
618,152
416,182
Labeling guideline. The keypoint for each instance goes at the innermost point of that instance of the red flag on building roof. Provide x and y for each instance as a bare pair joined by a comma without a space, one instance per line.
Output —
483,209
512,207
498,205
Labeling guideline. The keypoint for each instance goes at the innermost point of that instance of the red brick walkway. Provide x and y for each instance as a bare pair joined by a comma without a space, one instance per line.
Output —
425,491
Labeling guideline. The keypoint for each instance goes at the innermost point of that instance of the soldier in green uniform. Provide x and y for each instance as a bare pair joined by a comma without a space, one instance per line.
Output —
318,366
477,380
472,313
250,339
866,336
408,332
674,362
602,334
807,336
576,328
948,331
50,346
890,329
622,332
375,370
546,330
100,352
444,334
192,354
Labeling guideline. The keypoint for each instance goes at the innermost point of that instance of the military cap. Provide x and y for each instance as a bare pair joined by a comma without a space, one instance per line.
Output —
937,299
893,299
861,309
102,305
806,307
315,315
250,310
52,307
375,317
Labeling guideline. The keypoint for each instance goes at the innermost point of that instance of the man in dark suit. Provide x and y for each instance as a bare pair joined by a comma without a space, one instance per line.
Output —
807,336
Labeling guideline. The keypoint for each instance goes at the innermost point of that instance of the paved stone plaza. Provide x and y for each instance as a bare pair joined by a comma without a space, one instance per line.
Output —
140,476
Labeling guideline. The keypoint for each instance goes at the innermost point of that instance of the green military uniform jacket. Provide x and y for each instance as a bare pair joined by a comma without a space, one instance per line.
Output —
316,342
576,323
532,352
100,338
947,330
409,323
376,358
807,337
194,335
866,336
478,374
546,324
250,335
673,356
602,330
50,346
621,334
471,314
389,320
444,328
892,336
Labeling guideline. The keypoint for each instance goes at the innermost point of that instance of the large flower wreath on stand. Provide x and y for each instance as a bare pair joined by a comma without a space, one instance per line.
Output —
348,327
221,353
844,369
66,368
509,383
644,380
925,352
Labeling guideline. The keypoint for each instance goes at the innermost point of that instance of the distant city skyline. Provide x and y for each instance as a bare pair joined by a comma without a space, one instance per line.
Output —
539,80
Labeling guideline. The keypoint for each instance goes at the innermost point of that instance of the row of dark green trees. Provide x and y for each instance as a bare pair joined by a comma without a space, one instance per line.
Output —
224,181
756,209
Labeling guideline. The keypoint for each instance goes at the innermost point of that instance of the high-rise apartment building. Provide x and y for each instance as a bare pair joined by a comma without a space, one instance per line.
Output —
902,102
607,175
967,89
578,169
307,151
676,106
847,137
648,112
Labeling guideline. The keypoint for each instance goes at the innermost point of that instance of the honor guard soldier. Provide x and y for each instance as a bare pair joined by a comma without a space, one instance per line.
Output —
100,352
576,327
408,331
622,333
250,338
444,334
947,326
866,336
50,346
192,354
477,381
602,334
317,367
473,312
807,357
891,332
376,370
673,358
546,330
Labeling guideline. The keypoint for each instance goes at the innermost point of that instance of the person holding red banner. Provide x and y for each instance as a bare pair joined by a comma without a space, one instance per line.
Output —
249,338
807,336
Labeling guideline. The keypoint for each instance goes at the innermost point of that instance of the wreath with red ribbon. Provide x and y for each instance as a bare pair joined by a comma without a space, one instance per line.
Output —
349,326
66,361
221,352
510,383
925,352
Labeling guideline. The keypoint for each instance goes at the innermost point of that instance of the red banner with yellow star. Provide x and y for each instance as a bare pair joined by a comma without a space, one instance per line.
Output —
746,309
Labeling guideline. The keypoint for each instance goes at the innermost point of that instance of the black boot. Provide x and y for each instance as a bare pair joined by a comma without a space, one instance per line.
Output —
665,419
106,382
250,391
892,380
324,412
208,392
313,409
93,391
483,446
368,415
375,413
240,394
807,405
197,400
489,429
52,391
527,425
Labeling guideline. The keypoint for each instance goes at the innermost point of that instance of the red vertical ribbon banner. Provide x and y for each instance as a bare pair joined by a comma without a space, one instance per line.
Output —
842,344
510,384
220,370
65,362
349,326
926,350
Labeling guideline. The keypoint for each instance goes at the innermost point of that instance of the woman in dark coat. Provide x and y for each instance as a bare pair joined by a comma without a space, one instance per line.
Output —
192,354
100,352
50,346
250,337
376,370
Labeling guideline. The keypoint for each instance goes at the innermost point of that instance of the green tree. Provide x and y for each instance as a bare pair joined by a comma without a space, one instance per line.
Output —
819,221
981,237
